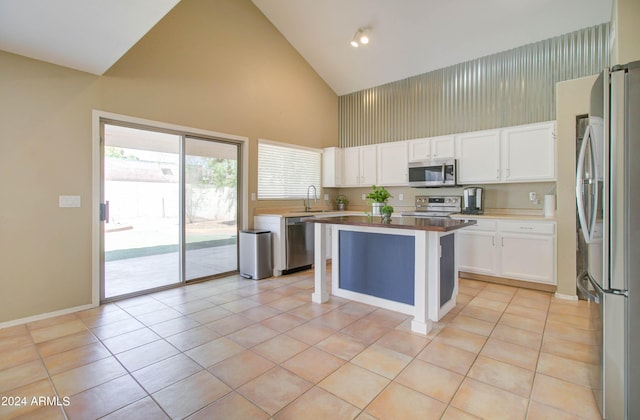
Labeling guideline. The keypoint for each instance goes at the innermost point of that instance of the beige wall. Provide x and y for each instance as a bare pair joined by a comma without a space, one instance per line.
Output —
572,100
626,31
45,115
222,66
212,65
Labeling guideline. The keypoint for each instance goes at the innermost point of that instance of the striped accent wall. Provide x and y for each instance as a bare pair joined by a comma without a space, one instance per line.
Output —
509,88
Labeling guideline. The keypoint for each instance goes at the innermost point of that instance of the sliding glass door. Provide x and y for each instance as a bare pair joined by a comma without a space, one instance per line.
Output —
170,209
211,208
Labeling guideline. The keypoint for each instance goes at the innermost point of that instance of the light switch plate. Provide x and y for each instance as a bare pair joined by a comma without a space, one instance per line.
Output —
253,196
326,197
69,201
401,197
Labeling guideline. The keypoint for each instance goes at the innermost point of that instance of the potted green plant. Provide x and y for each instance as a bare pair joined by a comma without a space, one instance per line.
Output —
378,198
342,201
386,212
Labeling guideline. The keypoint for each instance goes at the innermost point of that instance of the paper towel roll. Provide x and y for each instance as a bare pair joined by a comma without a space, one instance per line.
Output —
549,205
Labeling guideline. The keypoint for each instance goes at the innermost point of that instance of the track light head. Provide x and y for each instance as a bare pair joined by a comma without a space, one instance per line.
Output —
361,37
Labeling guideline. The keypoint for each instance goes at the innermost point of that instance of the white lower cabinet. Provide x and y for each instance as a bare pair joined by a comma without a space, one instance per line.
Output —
527,257
520,250
476,250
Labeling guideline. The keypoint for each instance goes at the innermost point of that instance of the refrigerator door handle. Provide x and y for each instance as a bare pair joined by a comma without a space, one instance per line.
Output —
580,182
581,282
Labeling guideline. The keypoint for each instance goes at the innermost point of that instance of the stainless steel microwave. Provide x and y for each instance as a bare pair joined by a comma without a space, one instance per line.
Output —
432,173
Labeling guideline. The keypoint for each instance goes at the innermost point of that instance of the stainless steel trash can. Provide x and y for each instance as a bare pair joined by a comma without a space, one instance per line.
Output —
255,254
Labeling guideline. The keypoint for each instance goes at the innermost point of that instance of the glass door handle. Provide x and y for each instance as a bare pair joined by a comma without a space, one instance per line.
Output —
104,212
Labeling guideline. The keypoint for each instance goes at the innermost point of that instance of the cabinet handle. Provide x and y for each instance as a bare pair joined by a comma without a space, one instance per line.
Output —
502,240
497,173
508,172
526,227
493,241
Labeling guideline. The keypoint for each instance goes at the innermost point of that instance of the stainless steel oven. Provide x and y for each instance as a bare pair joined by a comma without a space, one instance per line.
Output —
432,173
435,206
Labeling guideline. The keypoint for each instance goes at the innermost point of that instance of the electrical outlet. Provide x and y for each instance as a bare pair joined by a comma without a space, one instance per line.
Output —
364,196
326,197
401,197
533,196
69,201
253,196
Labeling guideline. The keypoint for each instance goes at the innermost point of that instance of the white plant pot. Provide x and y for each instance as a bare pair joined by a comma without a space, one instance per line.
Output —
375,209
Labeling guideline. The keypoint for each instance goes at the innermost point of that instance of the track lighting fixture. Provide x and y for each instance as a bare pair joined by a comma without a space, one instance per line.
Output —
361,37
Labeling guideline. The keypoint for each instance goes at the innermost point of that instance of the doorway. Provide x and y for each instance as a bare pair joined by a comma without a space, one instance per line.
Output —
169,208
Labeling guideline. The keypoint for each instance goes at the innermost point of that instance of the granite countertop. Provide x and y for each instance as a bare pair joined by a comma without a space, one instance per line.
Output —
437,224
284,212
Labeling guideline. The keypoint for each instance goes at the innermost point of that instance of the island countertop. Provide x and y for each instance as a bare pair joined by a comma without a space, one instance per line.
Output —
433,224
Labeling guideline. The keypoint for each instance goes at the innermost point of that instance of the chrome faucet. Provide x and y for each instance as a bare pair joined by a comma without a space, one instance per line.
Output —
307,204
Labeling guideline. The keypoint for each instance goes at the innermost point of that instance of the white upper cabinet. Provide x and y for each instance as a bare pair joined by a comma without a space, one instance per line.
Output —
524,153
478,157
393,163
442,147
528,153
332,167
359,166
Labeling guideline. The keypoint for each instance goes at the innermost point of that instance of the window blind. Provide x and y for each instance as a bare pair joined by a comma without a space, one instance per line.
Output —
285,172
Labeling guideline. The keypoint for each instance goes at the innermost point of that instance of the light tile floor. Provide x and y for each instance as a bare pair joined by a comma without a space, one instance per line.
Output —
239,349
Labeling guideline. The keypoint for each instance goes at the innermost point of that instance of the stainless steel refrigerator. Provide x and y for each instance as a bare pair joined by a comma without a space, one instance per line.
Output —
608,202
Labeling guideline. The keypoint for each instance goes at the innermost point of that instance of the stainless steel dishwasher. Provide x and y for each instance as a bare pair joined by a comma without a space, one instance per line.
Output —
298,243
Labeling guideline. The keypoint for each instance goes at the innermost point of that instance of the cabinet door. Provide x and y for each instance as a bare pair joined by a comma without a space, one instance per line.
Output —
443,147
528,257
368,165
392,164
331,167
478,157
351,166
528,153
419,149
477,252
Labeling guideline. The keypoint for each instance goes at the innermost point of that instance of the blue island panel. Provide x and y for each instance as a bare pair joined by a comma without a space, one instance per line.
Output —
378,264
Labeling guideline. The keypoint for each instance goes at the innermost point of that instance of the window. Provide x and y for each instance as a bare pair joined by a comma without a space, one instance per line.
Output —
286,171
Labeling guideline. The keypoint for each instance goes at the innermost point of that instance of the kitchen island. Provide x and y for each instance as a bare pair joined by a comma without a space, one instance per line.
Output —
406,264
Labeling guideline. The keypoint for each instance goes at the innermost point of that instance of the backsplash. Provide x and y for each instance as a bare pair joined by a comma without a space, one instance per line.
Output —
497,196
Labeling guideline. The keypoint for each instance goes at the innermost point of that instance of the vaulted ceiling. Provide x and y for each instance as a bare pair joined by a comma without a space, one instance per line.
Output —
408,37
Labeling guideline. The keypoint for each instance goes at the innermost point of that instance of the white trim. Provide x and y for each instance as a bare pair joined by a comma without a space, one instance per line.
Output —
289,145
375,229
320,294
374,301
47,315
565,297
97,115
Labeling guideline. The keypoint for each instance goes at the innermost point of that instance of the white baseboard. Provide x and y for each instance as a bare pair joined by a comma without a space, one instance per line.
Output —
46,315
566,297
